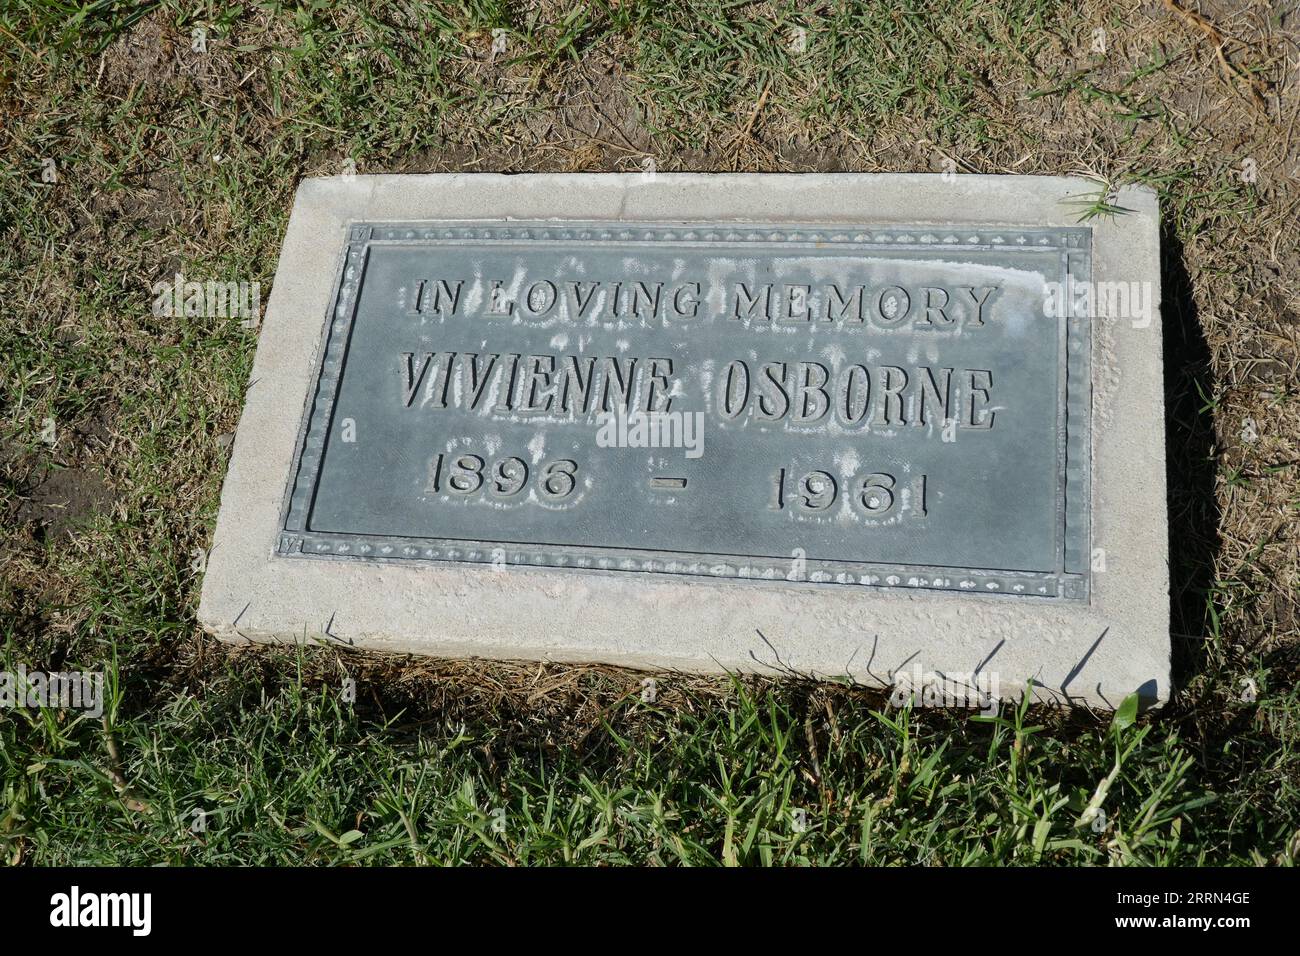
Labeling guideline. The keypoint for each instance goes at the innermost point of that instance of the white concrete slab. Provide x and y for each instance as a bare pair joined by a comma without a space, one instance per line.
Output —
1095,651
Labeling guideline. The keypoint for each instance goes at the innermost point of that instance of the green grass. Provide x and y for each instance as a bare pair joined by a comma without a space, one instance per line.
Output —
285,771
172,161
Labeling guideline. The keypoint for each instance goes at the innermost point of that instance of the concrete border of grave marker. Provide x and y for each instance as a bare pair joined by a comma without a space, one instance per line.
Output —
1110,640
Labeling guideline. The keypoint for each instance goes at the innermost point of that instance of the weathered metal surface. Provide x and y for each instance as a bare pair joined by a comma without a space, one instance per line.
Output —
841,405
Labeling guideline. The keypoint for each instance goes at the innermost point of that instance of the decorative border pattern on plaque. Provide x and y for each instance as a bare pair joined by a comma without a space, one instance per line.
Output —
1070,580
1045,239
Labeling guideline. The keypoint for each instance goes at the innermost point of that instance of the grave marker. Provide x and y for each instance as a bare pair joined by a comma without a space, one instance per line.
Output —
884,427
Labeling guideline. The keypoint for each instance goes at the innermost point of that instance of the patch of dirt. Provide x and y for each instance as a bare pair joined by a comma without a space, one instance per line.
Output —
144,56
52,490
66,498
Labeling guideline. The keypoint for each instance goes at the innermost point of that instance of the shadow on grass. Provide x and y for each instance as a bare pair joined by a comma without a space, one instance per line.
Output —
1190,464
